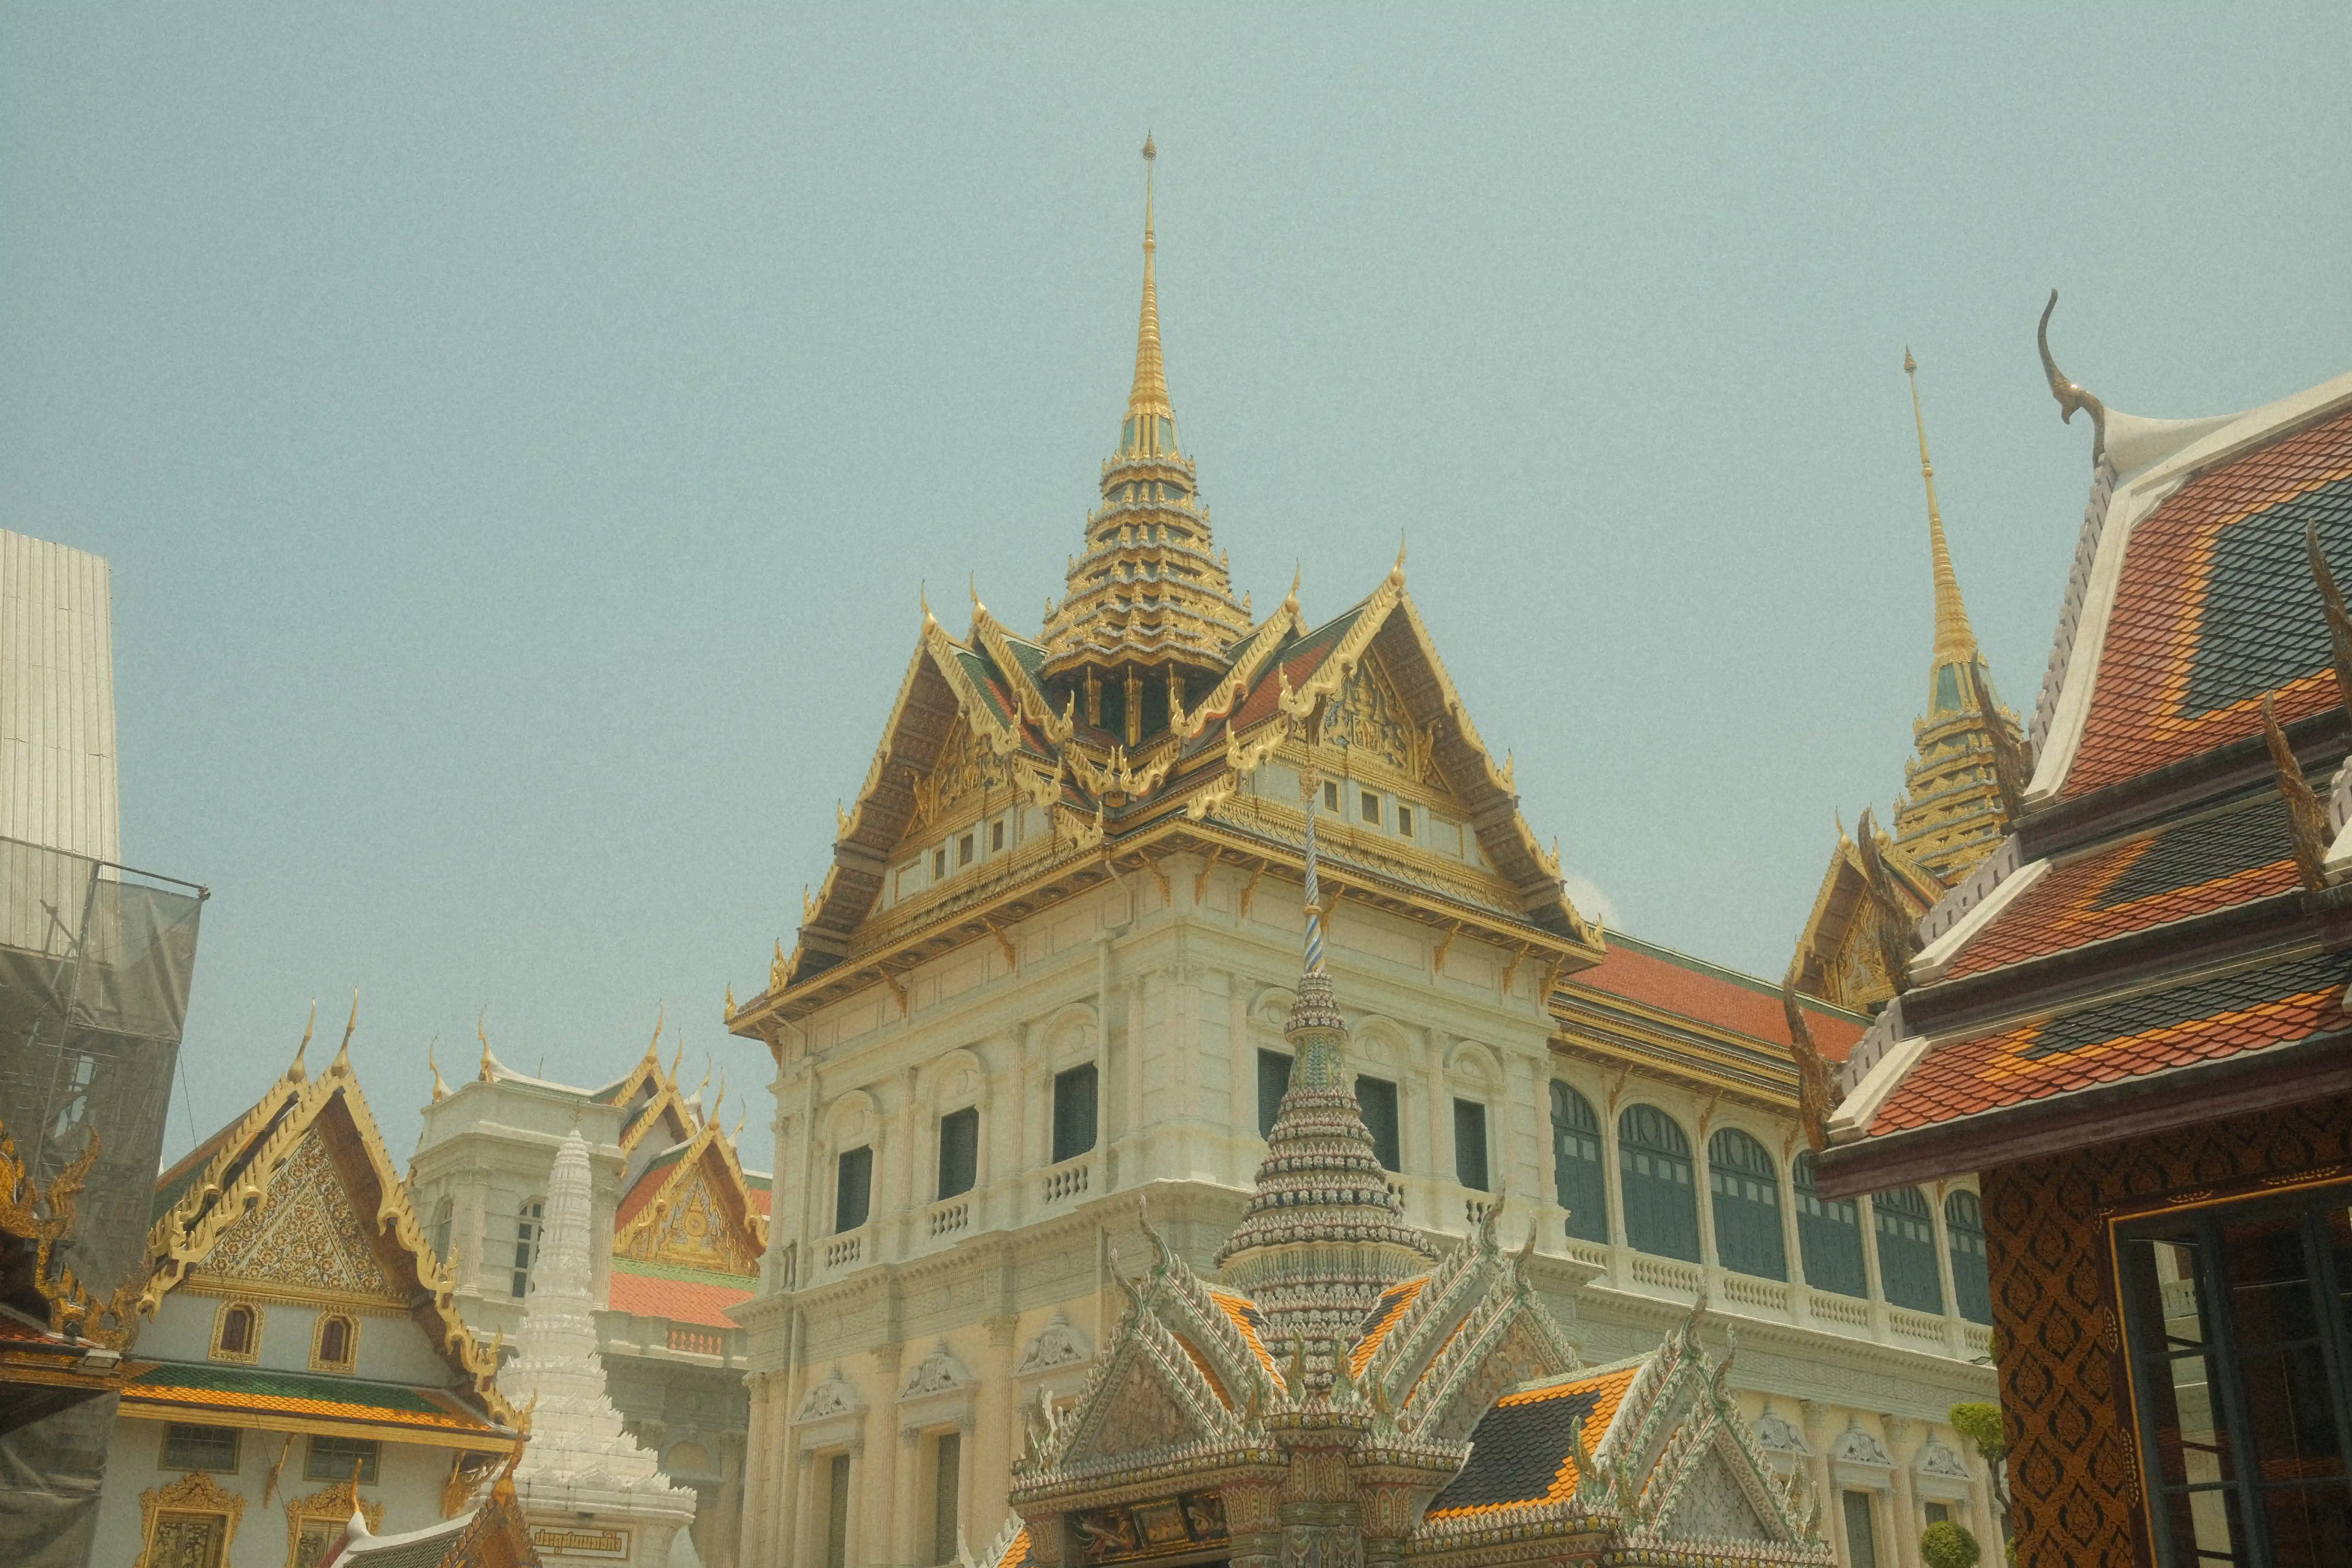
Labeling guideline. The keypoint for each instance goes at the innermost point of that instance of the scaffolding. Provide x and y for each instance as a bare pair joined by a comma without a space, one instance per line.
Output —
95,964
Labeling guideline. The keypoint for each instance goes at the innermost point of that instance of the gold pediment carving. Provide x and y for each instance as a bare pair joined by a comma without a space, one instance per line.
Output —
968,773
1367,721
693,1229
306,1235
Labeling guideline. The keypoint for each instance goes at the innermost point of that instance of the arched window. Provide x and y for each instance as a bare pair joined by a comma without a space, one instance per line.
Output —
1578,1174
338,1343
1907,1250
1746,1206
1963,1226
1829,1235
236,1331
529,1219
443,1213
1654,1166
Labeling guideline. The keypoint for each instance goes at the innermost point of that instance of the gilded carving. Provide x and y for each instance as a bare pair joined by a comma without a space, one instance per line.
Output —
969,772
306,1234
1366,718
315,1523
191,1523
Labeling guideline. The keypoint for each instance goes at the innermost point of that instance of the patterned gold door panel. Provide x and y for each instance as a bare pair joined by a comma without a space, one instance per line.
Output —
188,1540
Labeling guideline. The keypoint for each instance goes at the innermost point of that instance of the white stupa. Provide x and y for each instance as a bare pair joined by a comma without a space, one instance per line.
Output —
587,1487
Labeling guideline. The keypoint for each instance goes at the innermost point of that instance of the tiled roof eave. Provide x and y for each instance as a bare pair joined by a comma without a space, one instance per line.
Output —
2283,925
2311,1068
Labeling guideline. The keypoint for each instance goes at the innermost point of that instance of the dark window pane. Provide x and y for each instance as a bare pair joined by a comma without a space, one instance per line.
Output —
2271,1296
1470,1144
1579,1177
2310,1527
852,1189
1964,1229
1829,1235
1377,1098
1747,1193
1907,1250
1273,1083
1074,1112
836,1514
1653,1169
210,1448
958,1151
333,1458
947,1474
1860,1540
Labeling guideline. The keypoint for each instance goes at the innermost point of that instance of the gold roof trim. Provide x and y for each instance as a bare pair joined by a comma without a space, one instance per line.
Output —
658,1210
186,1233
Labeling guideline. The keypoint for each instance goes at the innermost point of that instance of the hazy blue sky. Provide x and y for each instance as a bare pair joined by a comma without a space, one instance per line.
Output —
518,433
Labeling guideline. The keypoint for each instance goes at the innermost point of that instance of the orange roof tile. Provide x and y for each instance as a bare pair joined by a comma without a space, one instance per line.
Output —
1245,1316
1384,1316
679,1300
2215,606
1638,973
2199,1021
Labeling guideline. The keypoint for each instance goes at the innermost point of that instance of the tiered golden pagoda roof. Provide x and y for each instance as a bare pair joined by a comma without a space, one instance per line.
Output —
1951,814
1150,594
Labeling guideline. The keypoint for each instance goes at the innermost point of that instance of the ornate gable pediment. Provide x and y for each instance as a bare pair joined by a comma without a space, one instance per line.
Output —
1713,1503
1366,723
970,774
307,1236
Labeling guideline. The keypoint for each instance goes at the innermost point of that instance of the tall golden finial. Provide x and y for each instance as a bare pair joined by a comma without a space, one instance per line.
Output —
440,1089
294,1070
1955,642
483,1035
1149,397
343,1062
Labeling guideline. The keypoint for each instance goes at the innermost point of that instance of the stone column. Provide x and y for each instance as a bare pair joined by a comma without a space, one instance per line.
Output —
1902,1438
1613,1183
995,1434
1703,1188
755,1469
1800,1300
877,1491
1984,1517
1242,1083
1814,1417
861,1489
1952,1339
906,1508
1868,1215
1440,1134
800,1545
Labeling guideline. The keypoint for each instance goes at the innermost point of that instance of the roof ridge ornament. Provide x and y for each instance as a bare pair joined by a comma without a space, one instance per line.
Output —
1956,641
2071,394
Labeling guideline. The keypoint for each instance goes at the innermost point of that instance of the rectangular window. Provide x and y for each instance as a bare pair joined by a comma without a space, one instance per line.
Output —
1330,795
1861,1541
836,1513
1273,1083
939,862
947,1478
2232,1319
210,1448
1377,1098
331,1458
1939,1513
1370,808
958,1151
526,1223
1404,822
963,850
996,837
1470,1145
1074,1112
852,1189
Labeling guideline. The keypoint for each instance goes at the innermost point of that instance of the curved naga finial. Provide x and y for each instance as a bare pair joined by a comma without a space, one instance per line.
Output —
2071,395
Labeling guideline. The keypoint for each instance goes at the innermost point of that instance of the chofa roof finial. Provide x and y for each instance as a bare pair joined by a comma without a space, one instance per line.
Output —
2071,395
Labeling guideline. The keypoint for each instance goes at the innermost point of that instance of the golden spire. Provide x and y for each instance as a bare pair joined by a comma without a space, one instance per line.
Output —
1956,643
1150,393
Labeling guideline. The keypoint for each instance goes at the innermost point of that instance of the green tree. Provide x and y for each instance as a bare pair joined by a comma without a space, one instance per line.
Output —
1981,1425
1945,1545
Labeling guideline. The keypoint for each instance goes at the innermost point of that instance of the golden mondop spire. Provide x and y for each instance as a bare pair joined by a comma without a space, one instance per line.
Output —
1150,393
1955,642
1950,813
1150,604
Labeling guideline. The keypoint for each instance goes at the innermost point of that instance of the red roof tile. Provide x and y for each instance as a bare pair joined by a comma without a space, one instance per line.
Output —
1711,997
2167,617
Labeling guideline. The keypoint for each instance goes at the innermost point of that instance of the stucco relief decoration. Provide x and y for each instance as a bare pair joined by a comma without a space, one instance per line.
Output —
1937,1458
698,1235
1366,719
938,1372
1775,1433
1058,1343
834,1396
1856,1447
306,1234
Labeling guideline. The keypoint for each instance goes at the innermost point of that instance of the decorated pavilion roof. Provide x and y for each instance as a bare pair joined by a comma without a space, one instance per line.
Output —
1523,1450
1710,995
2194,867
189,1391
2141,1034
307,1162
694,1206
2149,928
2215,608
